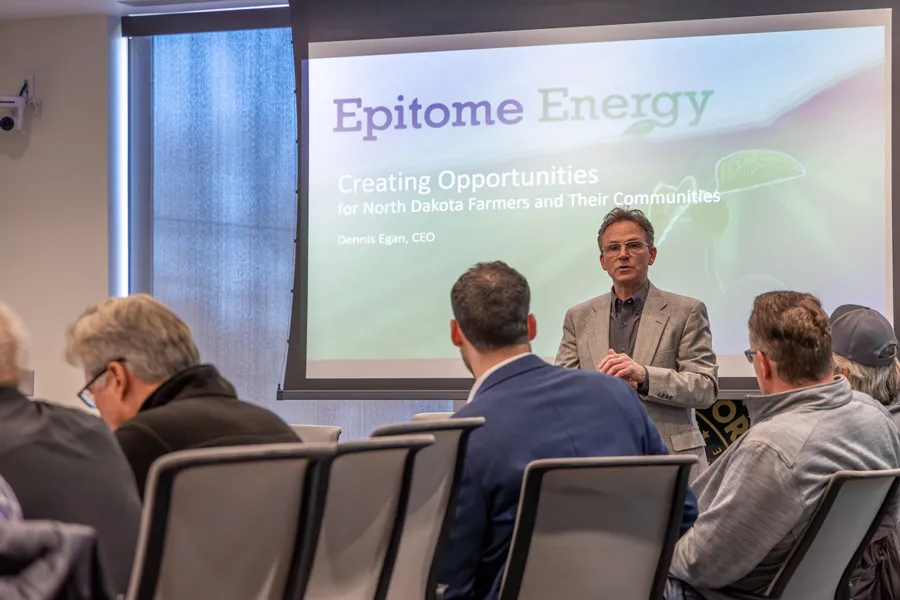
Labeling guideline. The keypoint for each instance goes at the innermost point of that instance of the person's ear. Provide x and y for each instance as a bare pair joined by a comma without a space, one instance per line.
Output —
766,368
602,261
532,327
652,254
456,334
117,379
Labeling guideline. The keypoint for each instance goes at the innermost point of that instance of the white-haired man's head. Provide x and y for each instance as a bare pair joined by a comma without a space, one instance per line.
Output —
127,348
880,382
13,348
866,351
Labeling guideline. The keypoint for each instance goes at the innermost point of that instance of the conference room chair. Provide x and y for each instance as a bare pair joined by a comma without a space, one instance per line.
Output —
366,501
625,510
229,523
317,433
432,502
431,416
820,564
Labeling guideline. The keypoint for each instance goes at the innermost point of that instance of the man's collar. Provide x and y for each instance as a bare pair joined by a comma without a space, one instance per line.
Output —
480,381
194,382
639,297
820,396
10,392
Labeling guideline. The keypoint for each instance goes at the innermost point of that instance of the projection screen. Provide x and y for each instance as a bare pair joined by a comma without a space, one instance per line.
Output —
759,147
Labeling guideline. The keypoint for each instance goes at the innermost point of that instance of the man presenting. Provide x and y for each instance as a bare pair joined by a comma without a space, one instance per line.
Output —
657,341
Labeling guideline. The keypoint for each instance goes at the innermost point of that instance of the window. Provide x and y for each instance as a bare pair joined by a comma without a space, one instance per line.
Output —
220,210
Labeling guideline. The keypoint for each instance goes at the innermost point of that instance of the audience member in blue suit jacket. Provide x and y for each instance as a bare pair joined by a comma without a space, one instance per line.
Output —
532,410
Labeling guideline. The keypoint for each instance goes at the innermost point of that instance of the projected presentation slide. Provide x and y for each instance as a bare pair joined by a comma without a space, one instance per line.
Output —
758,147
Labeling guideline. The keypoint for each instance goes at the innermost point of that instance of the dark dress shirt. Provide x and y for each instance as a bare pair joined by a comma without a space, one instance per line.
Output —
624,320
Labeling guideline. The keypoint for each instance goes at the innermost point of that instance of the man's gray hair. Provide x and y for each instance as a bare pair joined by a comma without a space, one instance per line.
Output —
882,383
13,347
154,343
632,215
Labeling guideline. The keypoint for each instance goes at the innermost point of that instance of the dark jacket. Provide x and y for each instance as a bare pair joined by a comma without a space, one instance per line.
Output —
44,560
64,465
197,408
877,576
533,410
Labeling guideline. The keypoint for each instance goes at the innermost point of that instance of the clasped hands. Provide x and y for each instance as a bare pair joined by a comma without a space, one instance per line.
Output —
624,367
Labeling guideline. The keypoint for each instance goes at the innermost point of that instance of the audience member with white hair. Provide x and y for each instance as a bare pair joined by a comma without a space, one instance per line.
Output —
142,372
63,463
866,352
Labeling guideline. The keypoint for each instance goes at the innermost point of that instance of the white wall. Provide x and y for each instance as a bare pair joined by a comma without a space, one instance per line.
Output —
54,185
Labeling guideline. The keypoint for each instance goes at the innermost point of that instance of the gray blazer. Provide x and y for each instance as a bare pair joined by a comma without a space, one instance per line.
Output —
674,344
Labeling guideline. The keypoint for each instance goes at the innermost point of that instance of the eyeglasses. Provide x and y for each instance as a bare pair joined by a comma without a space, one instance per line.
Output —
750,354
86,395
631,247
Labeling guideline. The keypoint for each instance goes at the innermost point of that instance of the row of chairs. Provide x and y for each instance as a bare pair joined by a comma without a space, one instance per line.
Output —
365,520
654,496
310,520
819,566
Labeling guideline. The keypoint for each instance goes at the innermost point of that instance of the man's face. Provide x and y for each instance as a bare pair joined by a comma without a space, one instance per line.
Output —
109,394
626,266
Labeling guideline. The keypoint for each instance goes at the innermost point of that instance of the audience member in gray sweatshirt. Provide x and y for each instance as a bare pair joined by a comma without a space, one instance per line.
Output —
757,498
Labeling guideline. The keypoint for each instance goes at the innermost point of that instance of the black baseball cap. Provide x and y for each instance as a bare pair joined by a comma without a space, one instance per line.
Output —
863,335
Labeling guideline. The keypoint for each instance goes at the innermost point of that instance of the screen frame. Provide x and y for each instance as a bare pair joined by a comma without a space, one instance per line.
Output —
323,21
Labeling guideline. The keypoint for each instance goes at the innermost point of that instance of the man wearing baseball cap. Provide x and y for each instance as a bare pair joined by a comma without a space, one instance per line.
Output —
866,352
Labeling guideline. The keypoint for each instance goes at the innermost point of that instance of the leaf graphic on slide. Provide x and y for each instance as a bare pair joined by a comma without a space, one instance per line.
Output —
663,215
642,127
748,169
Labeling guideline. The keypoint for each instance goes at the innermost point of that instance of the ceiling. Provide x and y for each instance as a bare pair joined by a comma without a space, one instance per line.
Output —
24,9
